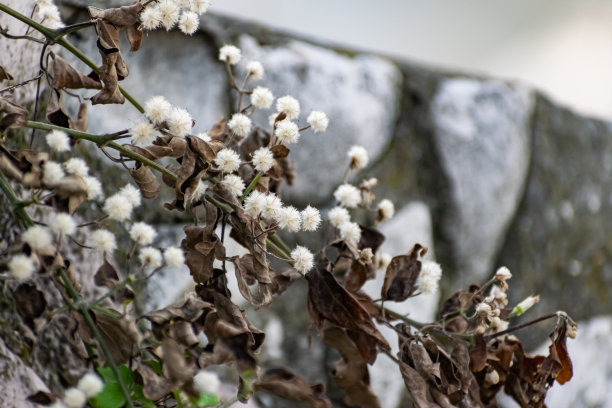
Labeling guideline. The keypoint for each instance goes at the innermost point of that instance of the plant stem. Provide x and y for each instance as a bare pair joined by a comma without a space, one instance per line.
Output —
520,326
405,319
251,186
12,197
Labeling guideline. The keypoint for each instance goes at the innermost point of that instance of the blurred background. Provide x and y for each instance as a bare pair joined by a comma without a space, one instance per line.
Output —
563,47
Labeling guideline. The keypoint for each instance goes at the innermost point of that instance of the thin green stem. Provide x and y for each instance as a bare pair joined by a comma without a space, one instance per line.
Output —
251,186
15,202
276,240
114,290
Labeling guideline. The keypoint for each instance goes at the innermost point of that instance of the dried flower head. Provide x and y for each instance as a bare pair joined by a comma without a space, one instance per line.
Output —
255,69
429,278
338,216
227,160
366,256
158,109
132,194
179,122
94,187
52,173
369,183
103,240
348,195
303,260
37,237
118,207
169,12
289,106
234,184
63,224
263,159
287,131
150,257
230,53
174,257
359,157
199,191
200,6
272,207
90,384
189,22
262,98
76,166
383,260
502,275
386,209
58,141
350,232
255,203
74,398
142,233
289,218
311,218
151,17
206,381
204,136
143,133
240,124
318,121
21,267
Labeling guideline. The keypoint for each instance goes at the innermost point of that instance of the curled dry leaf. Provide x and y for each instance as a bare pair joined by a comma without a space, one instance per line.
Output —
107,276
246,275
4,74
146,181
24,166
12,115
81,123
65,76
30,302
359,272
285,384
402,274
56,113
71,192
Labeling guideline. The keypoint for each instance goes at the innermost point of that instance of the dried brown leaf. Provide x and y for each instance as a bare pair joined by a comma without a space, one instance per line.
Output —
13,115
4,74
154,386
120,334
280,151
248,274
72,190
285,384
146,181
30,302
402,274
65,76
81,122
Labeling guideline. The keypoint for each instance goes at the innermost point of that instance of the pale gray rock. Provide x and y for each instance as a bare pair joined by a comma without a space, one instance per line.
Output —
481,129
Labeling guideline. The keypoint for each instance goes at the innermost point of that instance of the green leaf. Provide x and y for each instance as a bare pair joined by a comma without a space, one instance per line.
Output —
110,397
109,377
139,396
156,366
126,374
107,374
206,400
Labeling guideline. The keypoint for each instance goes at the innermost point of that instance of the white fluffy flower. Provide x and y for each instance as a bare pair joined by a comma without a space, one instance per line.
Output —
358,156
383,260
200,6
118,207
206,381
142,233
174,257
263,159
143,133
150,257
179,122
429,277
21,267
189,22
227,160
272,207
158,109
318,121
77,167
311,218
234,184
151,17
240,124
199,191
58,141
262,98
230,53
204,136
52,173
255,203
302,259
50,15
63,224
37,237
287,131
169,11
386,209
338,216
348,195
132,194
74,398
90,384
289,106
94,188
289,218
350,232
103,240
255,69
503,274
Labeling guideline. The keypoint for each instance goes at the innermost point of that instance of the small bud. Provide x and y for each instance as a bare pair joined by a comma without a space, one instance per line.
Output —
492,377
525,305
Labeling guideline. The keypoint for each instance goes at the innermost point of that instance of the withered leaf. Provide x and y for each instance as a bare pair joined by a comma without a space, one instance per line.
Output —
359,272
13,115
220,130
248,274
41,397
106,275
177,367
72,190
120,334
4,74
559,347
478,354
202,246
146,181
280,151
30,302
328,300
402,274
81,122
154,386
283,383
113,67
56,113
65,76
416,387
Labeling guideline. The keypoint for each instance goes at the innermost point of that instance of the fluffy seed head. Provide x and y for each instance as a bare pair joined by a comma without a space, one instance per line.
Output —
199,191
189,22
206,381
338,216
63,224
287,131
118,207
142,233
204,136
350,232
50,15
303,259
74,398
174,257
502,275
227,160
240,124
255,69
150,257
151,17
359,157
158,109
58,141
230,53
348,195
383,260
52,173
311,218
90,384
262,98
429,278
132,194
94,188
21,267
366,256
289,218
200,6
263,159
234,184
255,203
318,121
103,240
169,12
143,133
37,237
77,167
179,122
272,207
289,106
386,209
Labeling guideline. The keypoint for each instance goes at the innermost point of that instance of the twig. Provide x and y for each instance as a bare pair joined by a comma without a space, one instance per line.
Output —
520,326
